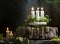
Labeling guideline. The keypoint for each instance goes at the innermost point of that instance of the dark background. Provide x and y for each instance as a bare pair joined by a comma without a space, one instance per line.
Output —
14,12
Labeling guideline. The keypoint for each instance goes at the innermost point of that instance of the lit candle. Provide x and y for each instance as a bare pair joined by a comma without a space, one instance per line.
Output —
7,33
37,14
32,12
11,34
42,12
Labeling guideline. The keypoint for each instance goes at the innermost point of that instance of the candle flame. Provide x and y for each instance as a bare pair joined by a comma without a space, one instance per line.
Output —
32,8
41,8
38,8
11,32
7,28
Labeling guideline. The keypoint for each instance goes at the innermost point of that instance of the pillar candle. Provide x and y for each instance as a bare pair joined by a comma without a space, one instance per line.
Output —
11,34
42,12
37,14
7,33
32,12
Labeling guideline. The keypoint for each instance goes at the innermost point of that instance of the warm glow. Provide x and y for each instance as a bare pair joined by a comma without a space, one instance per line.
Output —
7,29
41,8
32,8
11,34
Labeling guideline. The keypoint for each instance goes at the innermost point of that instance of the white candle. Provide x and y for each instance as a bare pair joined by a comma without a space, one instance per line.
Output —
37,14
7,33
32,12
42,12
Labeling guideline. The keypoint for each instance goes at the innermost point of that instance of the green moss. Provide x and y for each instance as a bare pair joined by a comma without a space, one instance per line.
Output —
56,38
29,19
21,39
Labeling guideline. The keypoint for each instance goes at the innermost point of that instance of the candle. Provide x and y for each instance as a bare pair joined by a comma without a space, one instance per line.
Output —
37,14
11,34
42,12
32,12
7,30
7,33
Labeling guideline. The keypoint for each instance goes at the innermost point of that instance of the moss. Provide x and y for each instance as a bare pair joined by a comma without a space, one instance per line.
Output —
56,38
29,19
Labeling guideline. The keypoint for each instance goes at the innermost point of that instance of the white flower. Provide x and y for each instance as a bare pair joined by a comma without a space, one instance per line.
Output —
19,38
